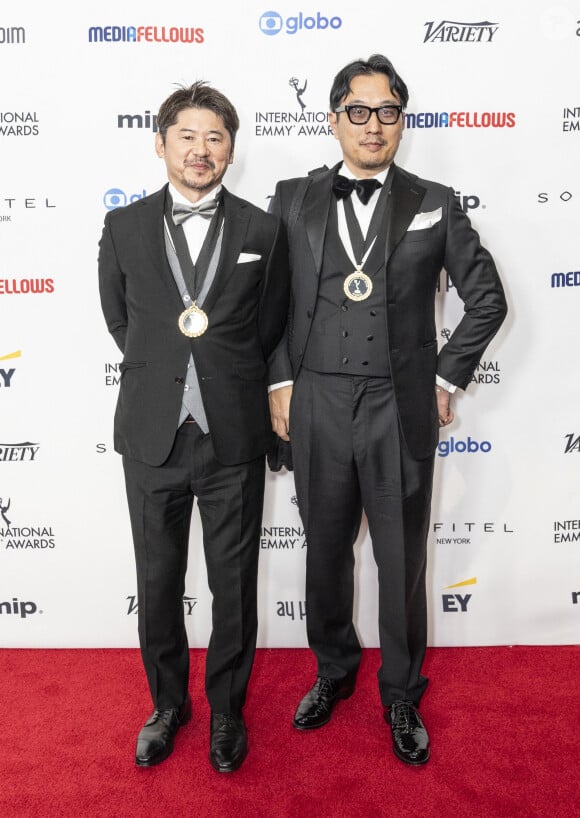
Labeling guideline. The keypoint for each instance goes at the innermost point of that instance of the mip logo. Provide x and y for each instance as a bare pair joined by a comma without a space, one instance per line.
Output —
115,197
272,23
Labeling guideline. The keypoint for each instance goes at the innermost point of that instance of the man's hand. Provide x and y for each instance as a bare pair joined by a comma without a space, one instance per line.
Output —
446,415
280,410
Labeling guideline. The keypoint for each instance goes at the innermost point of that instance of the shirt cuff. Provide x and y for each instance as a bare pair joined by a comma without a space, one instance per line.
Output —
445,384
279,385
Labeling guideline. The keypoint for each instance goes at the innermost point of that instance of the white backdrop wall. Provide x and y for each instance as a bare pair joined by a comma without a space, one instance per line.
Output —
495,107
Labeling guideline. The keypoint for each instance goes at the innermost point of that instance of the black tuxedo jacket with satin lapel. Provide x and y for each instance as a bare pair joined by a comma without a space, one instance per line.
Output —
442,238
247,306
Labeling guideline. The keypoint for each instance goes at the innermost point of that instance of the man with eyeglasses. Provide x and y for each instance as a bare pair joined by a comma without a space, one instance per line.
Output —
359,388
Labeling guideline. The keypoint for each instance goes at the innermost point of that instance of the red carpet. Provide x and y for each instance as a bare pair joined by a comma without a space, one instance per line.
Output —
504,726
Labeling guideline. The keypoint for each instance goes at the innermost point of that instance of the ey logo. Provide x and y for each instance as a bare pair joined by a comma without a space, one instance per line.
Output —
457,603
6,374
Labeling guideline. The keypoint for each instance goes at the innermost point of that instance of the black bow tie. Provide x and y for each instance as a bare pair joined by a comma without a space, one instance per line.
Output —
181,212
365,188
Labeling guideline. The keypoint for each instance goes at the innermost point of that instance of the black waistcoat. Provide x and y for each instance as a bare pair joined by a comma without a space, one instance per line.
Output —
349,337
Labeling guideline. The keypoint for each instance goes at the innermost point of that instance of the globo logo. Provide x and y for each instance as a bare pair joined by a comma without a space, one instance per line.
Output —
272,23
469,446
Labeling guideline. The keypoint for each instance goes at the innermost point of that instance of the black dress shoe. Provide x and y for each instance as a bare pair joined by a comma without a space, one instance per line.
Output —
410,739
155,741
228,742
316,707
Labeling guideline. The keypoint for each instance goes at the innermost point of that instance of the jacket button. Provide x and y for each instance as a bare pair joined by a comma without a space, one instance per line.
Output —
179,380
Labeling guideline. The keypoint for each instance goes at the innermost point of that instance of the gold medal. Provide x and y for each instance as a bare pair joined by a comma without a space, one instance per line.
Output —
193,321
358,286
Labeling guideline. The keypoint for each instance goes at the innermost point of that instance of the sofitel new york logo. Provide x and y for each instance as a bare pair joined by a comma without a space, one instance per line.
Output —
293,123
17,205
23,537
572,443
449,31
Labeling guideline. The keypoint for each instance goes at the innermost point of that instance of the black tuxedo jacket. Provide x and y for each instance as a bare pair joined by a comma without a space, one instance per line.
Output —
426,231
246,305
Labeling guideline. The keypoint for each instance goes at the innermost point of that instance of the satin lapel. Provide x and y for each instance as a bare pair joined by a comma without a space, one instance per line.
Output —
406,198
153,238
315,213
236,220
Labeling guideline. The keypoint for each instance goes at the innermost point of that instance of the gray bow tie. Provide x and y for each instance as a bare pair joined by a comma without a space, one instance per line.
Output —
181,212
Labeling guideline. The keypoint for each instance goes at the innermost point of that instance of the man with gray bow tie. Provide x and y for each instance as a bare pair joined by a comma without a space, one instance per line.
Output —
194,289
369,389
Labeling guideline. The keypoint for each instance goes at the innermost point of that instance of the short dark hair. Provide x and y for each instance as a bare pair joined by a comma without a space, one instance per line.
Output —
377,64
198,95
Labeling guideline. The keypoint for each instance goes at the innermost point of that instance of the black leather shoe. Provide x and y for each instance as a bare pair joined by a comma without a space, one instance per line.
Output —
155,741
228,742
410,739
316,707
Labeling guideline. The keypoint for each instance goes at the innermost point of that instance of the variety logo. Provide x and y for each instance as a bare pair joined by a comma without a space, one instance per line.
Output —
567,531
293,123
456,533
461,119
457,603
283,538
26,286
18,452
448,31
23,537
19,123
189,603
6,375
272,23
115,197
571,120
146,34
14,35
469,446
571,279
572,443
144,120
575,597
291,609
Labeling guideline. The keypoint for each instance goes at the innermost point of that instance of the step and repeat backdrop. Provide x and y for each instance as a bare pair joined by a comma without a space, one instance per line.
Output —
494,113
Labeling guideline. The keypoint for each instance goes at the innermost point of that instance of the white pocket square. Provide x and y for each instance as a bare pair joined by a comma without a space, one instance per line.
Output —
243,258
424,220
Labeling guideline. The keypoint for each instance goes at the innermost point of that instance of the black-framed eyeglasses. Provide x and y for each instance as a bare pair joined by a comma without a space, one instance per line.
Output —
360,114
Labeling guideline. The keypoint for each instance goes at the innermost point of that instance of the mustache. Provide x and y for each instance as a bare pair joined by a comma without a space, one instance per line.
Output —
206,162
